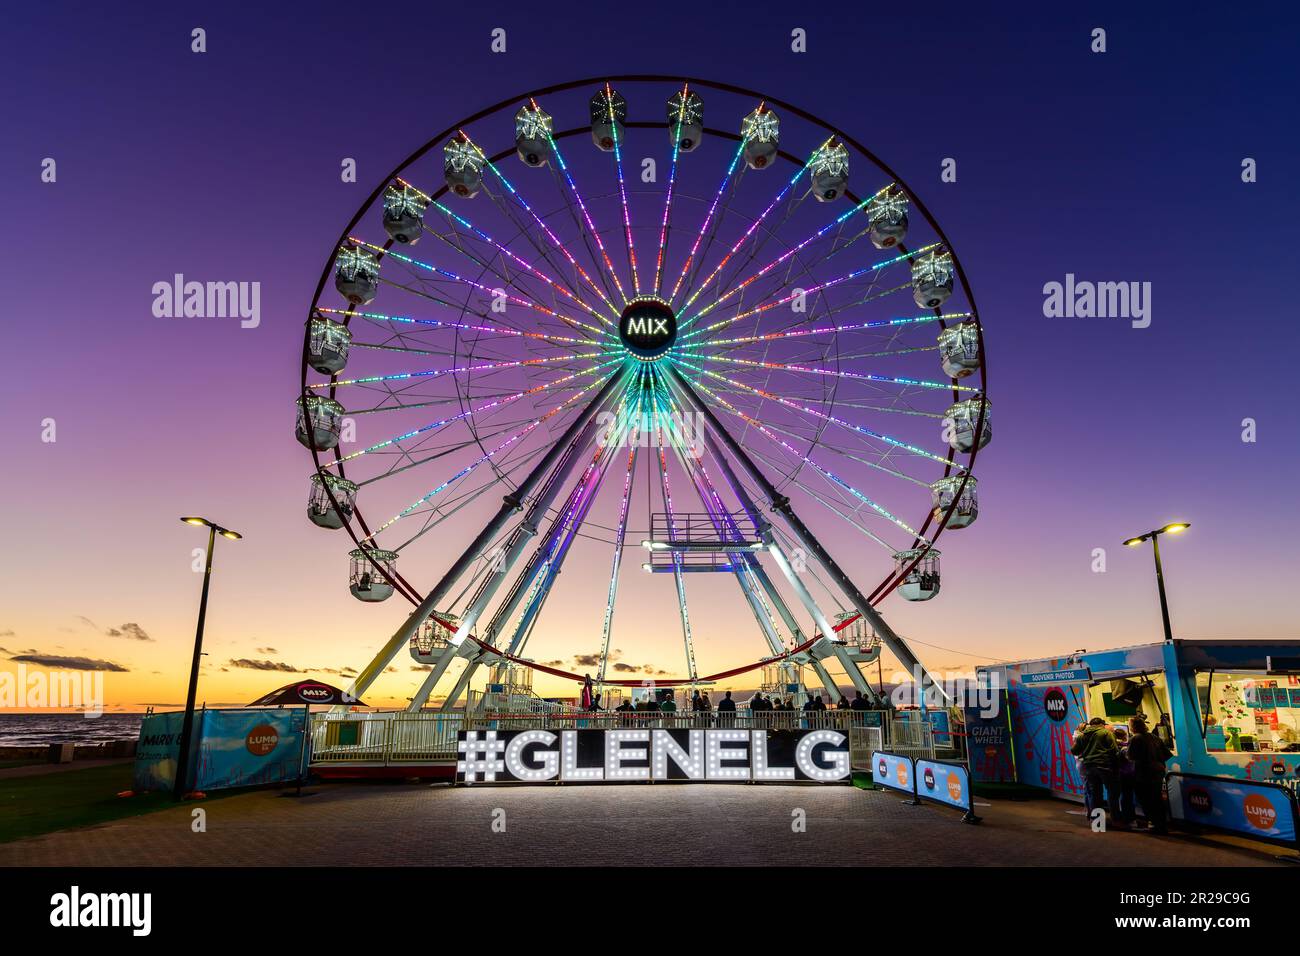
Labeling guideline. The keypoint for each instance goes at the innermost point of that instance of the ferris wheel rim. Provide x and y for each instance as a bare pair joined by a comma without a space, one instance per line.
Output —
892,579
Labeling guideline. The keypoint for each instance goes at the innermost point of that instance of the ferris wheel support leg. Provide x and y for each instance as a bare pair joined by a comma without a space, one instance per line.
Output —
806,539
430,682
827,681
511,504
557,531
461,683
525,533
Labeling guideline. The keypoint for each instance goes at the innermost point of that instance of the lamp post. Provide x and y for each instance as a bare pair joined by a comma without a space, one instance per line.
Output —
1176,528
187,726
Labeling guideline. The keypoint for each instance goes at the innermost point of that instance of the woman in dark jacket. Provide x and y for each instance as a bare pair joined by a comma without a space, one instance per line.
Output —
1149,753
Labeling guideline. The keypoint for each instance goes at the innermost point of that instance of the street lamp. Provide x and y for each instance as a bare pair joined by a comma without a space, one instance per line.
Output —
1176,528
187,726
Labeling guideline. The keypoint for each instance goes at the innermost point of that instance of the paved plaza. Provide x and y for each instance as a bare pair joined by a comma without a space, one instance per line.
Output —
422,824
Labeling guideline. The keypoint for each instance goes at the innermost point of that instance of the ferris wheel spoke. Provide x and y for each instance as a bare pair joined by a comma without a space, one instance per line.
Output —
518,436
432,426
482,288
678,577
807,459
683,103
591,226
451,508
550,234
439,324
620,534
505,251
614,121
704,226
907,321
794,250
741,241
834,373
461,370
785,300
887,439
847,515
439,452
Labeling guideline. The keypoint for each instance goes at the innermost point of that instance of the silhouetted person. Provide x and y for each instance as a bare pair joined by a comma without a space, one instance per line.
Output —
1095,747
1148,753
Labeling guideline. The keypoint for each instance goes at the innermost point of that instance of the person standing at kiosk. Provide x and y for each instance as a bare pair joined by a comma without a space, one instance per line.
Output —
1149,753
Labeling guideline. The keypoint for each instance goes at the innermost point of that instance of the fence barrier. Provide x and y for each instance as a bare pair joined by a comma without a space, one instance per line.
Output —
1250,808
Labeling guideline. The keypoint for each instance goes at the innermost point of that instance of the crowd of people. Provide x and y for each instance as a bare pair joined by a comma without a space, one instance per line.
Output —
1123,770
700,703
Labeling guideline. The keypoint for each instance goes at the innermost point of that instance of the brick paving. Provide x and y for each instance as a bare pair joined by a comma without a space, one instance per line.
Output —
420,824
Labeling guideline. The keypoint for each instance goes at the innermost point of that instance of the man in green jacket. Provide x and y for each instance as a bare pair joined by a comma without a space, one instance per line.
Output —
1095,746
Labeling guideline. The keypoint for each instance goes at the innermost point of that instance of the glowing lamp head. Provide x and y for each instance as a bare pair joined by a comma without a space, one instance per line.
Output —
1176,528
1133,542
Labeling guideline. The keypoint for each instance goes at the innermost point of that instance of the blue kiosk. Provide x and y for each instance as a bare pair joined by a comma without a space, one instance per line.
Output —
1229,711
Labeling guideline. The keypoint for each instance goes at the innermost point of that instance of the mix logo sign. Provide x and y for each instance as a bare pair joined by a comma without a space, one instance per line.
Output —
315,693
1198,798
943,782
1055,705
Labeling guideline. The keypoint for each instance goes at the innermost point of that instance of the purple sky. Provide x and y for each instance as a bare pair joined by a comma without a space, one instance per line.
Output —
1116,167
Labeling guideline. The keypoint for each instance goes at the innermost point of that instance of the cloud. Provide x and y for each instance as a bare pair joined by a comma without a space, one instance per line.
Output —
253,665
593,660
130,630
267,650
69,663
7,634
620,666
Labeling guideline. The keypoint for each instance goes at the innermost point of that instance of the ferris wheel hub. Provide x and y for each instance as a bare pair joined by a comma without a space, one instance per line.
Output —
648,327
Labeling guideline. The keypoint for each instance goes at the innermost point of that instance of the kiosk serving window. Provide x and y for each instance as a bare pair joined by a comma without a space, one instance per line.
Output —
1249,712
1134,695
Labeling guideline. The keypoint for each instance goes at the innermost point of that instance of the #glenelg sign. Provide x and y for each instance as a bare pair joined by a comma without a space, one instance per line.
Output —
646,755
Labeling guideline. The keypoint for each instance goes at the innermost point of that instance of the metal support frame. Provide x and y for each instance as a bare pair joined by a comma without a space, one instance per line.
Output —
511,504
781,505
519,542
558,529
756,568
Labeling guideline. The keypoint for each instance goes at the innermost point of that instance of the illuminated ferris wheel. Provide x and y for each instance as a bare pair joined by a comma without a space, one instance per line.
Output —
687,322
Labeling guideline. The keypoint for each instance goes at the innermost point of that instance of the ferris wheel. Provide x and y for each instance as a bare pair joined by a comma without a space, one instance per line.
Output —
684,322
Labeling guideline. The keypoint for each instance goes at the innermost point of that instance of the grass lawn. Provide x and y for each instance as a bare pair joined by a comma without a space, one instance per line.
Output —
24,762
74,798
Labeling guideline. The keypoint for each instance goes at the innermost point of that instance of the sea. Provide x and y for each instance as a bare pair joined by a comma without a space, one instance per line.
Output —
35,730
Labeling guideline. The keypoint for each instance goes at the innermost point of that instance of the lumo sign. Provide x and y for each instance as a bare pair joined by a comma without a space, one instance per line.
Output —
646,754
